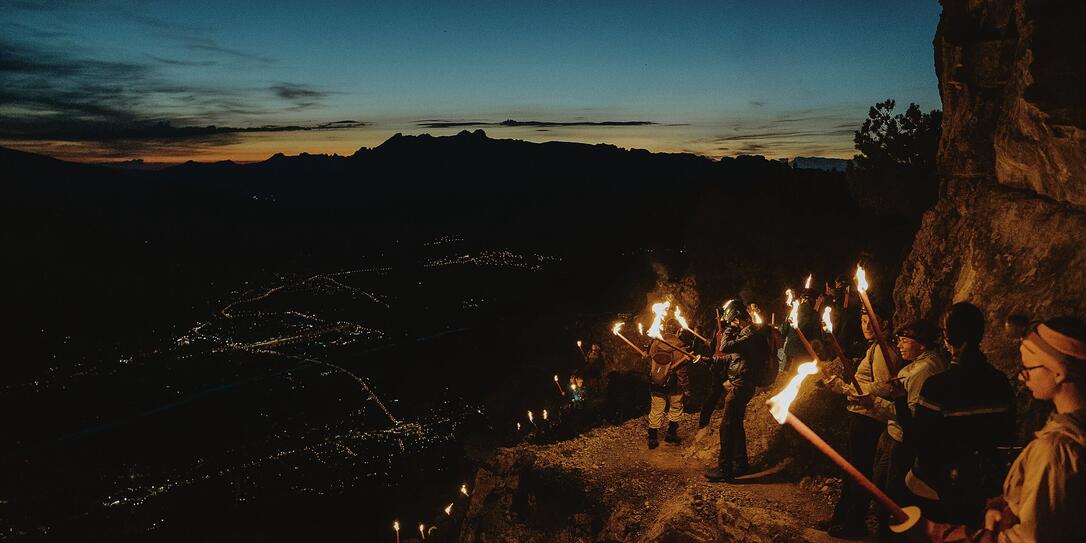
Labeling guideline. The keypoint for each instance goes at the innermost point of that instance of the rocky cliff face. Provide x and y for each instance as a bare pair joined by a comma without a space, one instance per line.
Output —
1009,230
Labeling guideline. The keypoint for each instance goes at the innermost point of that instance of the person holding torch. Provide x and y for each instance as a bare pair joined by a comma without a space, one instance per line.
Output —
744,373
1044,494
667,374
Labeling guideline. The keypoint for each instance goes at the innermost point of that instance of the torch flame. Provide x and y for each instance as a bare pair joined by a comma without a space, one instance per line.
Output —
617,328
464,489
793,315
531,418
861,279
396,525
579,343
679,317
518,426
807,283
660,312
827,323
448,509
422,530
544,414
788,295
779,404
640,329
757,317
556,375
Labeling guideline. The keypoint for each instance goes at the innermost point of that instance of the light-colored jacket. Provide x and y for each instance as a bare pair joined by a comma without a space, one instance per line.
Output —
1046,487
873,376
912,377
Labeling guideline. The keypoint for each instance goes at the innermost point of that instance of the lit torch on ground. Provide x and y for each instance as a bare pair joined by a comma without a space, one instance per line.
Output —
904,518
617,330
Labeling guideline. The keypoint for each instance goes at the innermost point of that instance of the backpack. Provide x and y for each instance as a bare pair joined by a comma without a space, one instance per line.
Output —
660,369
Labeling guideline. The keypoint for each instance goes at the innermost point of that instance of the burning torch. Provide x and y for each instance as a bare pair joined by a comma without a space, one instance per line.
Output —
873,318
793,319
904,518
560,391
682,322
617,330
827,325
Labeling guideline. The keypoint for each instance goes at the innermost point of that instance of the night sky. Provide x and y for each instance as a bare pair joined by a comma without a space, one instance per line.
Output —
114,81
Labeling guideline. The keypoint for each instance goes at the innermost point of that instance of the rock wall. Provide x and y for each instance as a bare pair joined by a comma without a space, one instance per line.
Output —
1009,230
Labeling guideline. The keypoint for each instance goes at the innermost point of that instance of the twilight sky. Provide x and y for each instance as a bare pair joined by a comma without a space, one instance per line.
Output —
169,81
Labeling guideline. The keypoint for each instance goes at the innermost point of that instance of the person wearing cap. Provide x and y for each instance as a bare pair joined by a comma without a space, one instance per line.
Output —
864,429
962,416
1044,494
917,344
667,372
747,356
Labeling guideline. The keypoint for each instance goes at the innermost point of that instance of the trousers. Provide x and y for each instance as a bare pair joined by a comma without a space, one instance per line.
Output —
733,436
863,438
672,402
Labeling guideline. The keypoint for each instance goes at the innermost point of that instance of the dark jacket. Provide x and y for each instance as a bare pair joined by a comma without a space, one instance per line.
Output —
962,415
752,354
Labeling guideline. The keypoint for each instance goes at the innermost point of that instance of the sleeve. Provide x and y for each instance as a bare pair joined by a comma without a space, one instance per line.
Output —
1051,495
737,345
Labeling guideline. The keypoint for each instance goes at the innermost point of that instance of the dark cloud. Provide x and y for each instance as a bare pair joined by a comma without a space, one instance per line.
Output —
122,108
175,62
757,103
204,45
536,124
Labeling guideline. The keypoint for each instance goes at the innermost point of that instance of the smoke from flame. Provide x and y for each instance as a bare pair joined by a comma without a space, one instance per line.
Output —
779,404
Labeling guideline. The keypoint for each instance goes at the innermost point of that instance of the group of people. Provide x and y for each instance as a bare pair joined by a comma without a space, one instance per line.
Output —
929,420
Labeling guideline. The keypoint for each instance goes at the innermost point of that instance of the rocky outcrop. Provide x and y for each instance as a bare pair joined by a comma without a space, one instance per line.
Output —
1009,230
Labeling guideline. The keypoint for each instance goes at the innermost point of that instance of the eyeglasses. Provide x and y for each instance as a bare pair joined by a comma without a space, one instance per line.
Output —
1023,372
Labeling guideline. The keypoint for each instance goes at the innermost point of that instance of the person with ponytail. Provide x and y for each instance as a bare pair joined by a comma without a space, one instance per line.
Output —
962,416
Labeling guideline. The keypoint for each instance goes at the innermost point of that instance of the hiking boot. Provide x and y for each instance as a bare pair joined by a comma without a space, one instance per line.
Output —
672,435
719,475
654,440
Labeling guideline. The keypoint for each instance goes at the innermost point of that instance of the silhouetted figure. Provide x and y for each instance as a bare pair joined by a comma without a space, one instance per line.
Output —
1044,494
962,415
